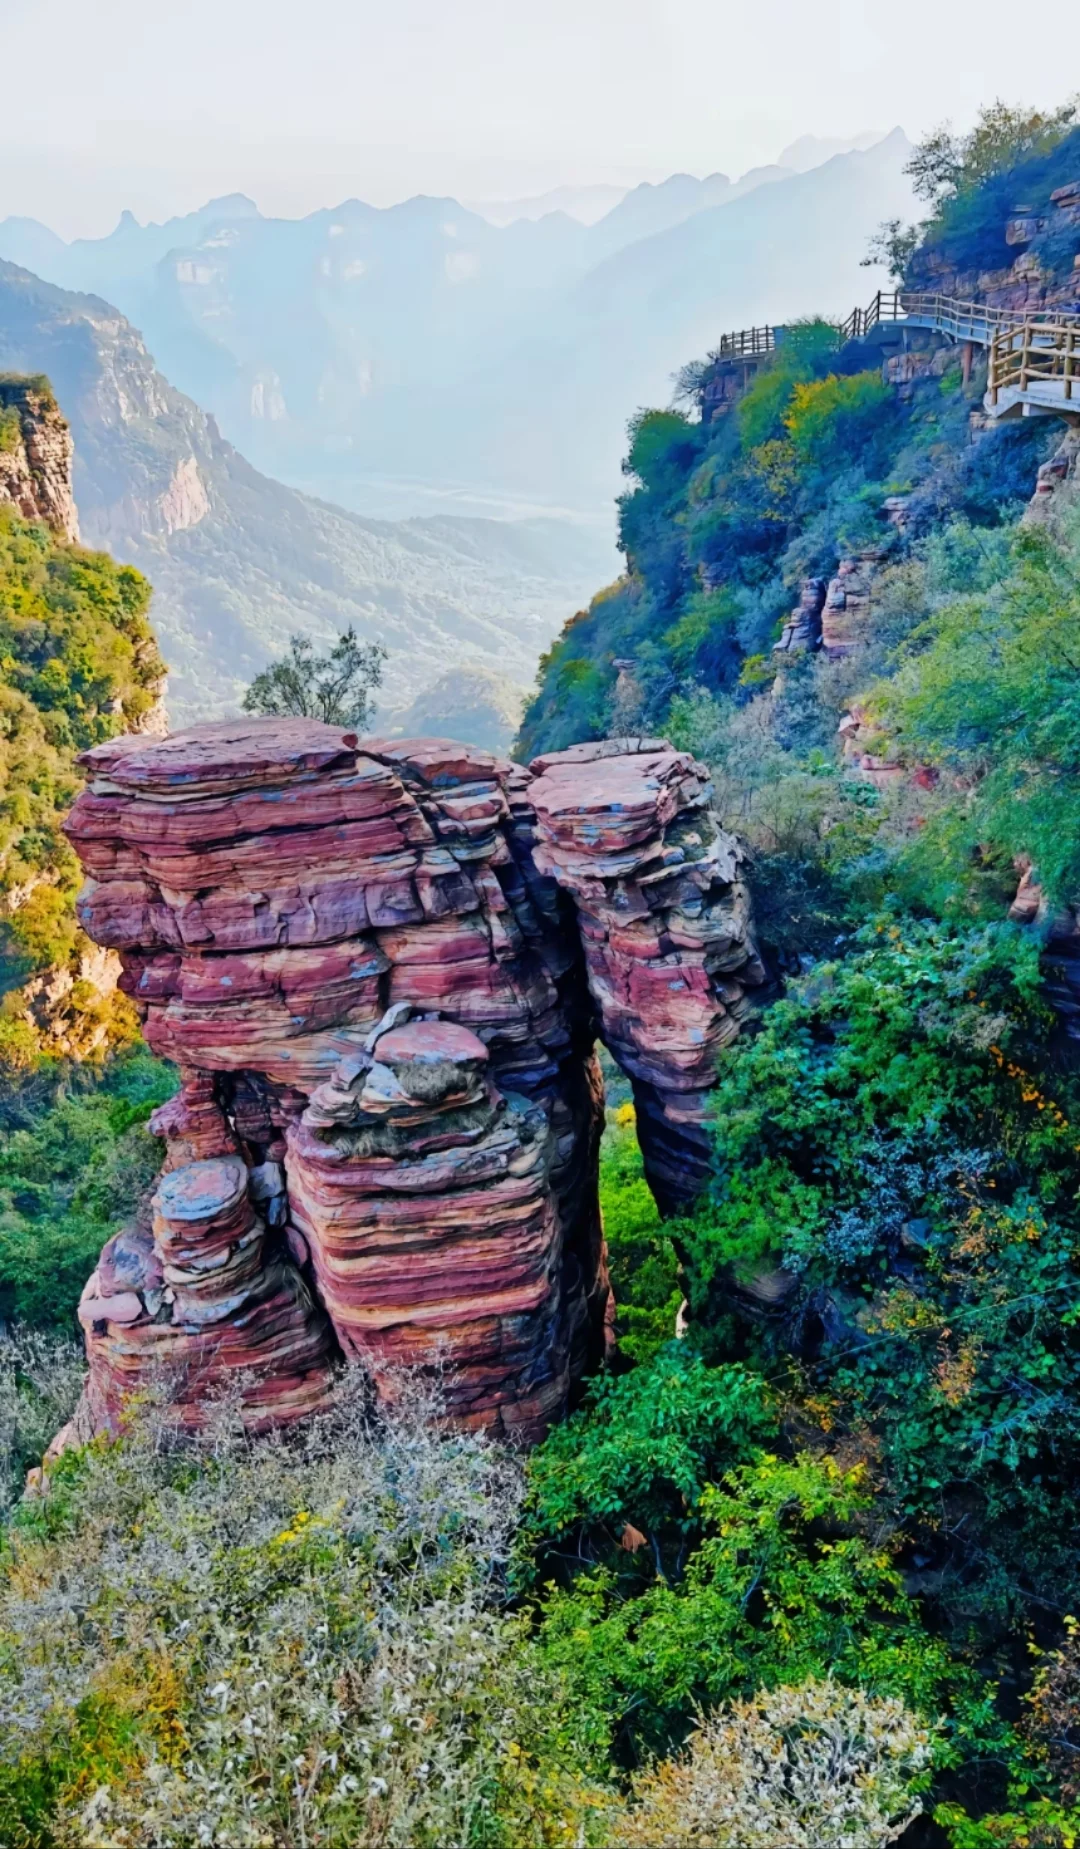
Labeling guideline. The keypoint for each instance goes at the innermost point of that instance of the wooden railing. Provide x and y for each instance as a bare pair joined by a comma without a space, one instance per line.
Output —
1033,353
1041,349
886,306
747,343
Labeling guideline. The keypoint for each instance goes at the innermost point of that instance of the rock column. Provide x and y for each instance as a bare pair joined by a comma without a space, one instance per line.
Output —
627,827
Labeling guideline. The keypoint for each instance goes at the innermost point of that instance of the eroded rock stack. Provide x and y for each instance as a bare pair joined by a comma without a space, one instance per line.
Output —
388,1086
664,914
204,1303
367,961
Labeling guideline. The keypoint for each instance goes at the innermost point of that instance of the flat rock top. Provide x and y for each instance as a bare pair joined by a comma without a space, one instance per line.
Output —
594,749
430,1043
627,784
226,751
439,762
201,1190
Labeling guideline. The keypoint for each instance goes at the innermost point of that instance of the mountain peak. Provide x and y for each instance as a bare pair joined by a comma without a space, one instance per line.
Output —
236,205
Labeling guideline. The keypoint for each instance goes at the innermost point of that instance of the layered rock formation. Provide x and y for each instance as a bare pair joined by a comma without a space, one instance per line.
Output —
663,910
36,455
366,964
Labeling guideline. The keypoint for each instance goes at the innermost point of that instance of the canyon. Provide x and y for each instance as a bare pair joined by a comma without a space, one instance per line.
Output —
381,967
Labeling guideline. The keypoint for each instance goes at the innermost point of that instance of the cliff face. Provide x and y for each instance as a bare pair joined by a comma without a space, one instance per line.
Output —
364,961
36,454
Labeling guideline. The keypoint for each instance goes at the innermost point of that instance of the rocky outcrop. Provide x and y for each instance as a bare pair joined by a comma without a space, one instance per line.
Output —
1057,482
845,617
36,455
626,827
1029,285
367,962
802,631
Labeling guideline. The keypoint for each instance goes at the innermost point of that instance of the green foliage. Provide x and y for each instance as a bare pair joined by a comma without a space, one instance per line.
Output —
986,690
944,165
833,421
895,1137
641,1259
70,1178
704,642
41,1378
78,663
642,1451
336,688
782,1587
893,245
661,443
281,1643
761,407
721,520
973,183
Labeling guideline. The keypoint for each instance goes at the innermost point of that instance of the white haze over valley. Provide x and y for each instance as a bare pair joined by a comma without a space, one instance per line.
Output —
422,264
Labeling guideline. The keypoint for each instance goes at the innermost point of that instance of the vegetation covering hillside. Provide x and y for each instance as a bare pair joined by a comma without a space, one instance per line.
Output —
78,663
808,1576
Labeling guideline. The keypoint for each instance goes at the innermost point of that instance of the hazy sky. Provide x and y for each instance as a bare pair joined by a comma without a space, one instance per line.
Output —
157,105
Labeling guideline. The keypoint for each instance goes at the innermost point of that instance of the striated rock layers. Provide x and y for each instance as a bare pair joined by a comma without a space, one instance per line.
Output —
626,827
367,963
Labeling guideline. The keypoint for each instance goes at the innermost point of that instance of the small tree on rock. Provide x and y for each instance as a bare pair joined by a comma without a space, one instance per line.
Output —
336,688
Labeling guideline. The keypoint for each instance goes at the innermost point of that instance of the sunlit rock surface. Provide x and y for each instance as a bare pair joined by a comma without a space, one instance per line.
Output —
381,967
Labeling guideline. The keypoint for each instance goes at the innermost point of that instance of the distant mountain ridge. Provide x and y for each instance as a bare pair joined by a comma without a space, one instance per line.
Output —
359,342
239,561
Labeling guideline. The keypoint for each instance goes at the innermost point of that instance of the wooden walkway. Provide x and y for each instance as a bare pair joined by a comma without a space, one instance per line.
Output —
1033,360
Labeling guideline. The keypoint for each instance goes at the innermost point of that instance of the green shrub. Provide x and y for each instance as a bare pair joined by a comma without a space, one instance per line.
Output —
70,1178
640,1453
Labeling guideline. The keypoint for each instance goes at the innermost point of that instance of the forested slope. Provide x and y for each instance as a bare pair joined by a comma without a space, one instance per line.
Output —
78,663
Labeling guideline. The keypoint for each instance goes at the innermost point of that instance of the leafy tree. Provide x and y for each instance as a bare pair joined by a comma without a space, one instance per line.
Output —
892,246
784,1585
945,164
831,420
336,688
